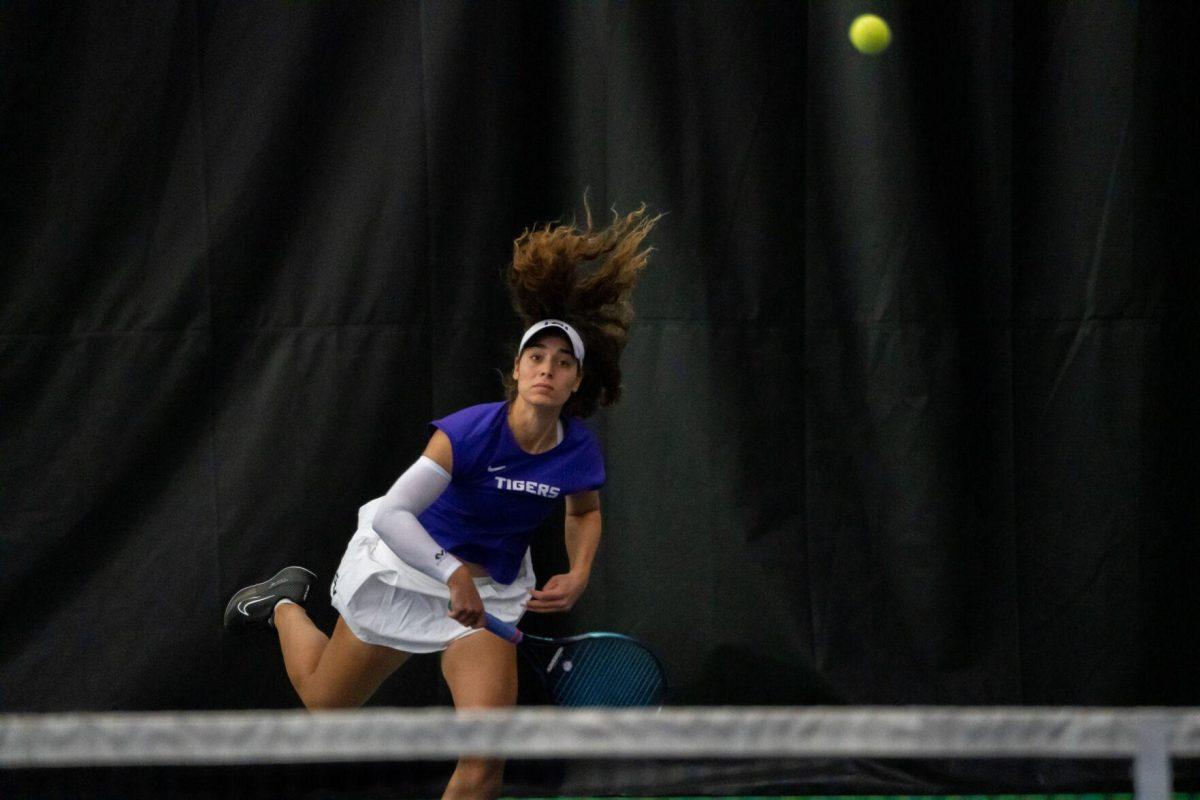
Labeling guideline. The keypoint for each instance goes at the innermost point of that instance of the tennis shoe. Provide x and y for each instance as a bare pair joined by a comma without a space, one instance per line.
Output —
256,603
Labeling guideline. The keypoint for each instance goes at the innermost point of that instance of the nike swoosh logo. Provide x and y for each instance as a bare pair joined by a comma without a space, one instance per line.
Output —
497,469
245,604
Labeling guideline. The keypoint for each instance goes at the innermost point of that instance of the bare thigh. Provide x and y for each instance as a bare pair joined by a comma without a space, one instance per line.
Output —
481,670
349,672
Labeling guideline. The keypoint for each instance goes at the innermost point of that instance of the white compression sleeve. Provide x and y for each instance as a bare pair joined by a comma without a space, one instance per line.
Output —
397,524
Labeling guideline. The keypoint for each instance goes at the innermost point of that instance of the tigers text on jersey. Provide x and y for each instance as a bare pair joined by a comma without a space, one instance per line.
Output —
498,493
540,489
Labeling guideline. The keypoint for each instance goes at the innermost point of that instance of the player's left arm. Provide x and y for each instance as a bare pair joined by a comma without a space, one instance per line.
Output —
581,529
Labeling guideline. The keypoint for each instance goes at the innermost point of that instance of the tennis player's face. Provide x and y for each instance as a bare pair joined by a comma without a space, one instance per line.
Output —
546,372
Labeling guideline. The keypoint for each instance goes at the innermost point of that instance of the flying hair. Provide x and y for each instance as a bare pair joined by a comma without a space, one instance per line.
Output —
584,276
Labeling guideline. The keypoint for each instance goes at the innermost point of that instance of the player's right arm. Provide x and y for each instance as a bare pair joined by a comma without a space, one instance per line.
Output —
440,452
397,525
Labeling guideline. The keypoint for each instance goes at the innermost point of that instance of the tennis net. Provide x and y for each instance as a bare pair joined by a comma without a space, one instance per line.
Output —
594,752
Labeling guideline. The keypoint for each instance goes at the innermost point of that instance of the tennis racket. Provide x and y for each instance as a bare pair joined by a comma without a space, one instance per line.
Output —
591,669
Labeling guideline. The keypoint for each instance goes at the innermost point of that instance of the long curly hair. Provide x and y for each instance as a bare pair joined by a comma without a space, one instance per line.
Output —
585,277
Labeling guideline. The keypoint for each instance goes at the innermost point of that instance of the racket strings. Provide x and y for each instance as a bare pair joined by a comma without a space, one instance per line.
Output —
610,672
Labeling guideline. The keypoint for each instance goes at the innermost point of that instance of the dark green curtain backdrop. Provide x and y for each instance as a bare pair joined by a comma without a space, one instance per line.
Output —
908,411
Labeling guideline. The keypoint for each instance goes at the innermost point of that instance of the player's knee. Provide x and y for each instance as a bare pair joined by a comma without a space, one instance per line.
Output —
318,702
321,699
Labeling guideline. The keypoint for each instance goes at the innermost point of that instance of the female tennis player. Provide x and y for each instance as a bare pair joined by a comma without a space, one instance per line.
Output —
451,537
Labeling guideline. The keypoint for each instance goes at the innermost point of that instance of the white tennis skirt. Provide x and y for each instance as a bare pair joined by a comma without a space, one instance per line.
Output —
385,601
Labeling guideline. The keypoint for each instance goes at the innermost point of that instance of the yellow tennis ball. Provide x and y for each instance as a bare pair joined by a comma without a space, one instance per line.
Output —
870,34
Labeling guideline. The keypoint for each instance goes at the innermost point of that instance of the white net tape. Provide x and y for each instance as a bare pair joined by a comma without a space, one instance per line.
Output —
232,737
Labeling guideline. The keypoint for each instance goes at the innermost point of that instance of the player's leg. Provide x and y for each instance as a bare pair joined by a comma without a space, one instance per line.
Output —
301,641
481,671
341,671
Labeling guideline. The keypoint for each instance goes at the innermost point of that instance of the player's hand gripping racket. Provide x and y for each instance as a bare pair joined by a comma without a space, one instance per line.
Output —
591,669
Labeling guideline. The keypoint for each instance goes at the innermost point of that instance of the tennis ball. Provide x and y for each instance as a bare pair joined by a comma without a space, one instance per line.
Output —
870,34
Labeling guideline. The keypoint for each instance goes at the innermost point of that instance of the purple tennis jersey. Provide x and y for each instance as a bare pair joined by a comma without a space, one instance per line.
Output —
498,493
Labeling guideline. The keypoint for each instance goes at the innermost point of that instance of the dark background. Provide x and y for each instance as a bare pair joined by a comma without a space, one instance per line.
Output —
906,413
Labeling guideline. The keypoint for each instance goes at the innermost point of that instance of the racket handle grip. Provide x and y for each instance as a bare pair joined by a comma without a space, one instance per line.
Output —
502,629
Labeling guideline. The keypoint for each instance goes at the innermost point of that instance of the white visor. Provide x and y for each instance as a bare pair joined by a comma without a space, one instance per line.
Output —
572,334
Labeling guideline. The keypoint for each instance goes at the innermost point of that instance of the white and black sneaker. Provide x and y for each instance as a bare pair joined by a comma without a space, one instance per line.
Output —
256,603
